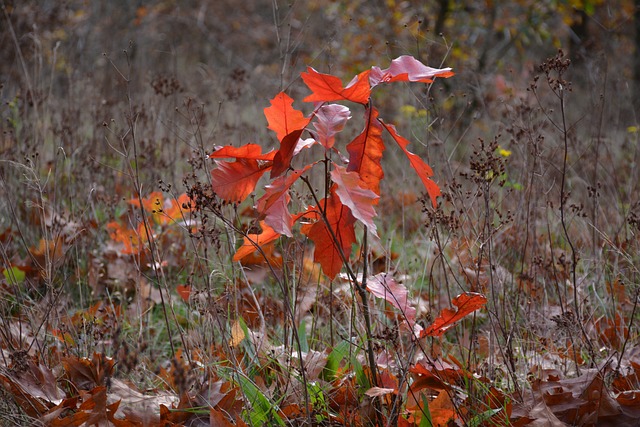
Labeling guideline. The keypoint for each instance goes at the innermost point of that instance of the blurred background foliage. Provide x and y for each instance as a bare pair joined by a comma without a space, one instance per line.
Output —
229,58
272,41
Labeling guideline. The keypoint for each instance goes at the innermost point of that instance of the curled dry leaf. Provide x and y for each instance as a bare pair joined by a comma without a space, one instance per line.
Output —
384,286
379,391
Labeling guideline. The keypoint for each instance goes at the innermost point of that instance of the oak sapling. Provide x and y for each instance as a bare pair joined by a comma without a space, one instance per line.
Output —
352,192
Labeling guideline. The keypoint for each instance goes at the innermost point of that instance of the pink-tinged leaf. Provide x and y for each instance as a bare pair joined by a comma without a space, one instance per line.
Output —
328,88
379,391
278,216
422,169
251,241
282,117
282,159
304,143
365,152
407,69
247,151
331,119
466,303
273,204
234,181
341,221
384,286
350,189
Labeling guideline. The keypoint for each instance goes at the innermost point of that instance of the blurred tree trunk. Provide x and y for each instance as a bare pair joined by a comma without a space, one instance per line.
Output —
443,11
579,37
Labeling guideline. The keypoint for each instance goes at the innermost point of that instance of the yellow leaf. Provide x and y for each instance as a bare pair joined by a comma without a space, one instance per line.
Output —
237,334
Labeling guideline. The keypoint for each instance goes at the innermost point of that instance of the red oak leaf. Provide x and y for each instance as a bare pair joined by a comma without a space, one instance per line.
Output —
328,88
407,69
282,117
247,151
234,181
466,303
422,169
365,152
331,119
350,189
341,221
282,159
384,286
267,235
273,204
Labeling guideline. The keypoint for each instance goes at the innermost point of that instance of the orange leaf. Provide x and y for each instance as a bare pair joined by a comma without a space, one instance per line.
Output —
133,240
442,410
350,189
150,204
467,303
328,88
341,221
406,68
365,152
184,291
247,151
282,117
163,211
249,245
234,181
217,418
422,169
174,208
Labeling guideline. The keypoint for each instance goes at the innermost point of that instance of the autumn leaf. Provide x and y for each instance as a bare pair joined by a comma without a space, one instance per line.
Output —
365,152
151,203
234,181
328,88
384,286
247,151
341,221
350,189
273,204
163,211
422,169
466,303
331,119
175,209
184,291
133,241
282,117
407,69
379,391
282,159
267,235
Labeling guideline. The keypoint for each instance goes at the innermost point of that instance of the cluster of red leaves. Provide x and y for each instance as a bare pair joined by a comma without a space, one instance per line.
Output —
82,392
356,187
